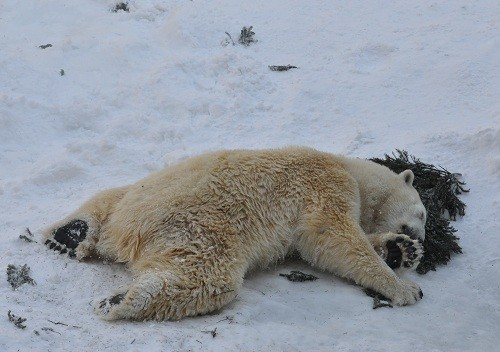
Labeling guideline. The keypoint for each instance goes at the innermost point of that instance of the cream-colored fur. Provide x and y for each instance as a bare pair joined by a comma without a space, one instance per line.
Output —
191,232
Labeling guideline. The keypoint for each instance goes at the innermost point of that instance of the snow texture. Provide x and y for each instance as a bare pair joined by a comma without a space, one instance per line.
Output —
146,88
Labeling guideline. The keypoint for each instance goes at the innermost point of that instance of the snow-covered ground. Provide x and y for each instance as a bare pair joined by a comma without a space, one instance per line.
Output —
147,88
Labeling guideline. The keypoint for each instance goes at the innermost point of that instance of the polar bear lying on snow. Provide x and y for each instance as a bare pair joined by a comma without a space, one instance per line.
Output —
191,232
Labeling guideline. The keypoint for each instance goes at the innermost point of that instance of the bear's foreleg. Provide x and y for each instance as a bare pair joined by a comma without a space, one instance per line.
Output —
342,248
78,234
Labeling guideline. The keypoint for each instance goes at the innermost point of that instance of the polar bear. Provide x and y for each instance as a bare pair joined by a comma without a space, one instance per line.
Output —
191,231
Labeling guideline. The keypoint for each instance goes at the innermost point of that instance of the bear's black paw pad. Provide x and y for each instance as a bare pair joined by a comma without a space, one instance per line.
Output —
106,304
66,238
394,255
403,252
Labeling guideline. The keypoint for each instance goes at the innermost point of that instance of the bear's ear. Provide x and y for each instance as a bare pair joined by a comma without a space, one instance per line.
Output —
407,176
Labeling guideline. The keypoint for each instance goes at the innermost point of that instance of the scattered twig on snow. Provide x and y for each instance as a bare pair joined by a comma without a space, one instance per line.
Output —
17,276
213,332
228,40
62,73
281,68
18,321
379,300
27,236
59,323
226,318
45,46
246,36
122,6
298,276
51,330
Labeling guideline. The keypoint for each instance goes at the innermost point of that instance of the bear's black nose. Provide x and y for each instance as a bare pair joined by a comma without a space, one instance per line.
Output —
408,231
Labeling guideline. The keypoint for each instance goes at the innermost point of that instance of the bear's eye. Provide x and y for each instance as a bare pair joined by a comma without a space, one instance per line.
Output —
421,216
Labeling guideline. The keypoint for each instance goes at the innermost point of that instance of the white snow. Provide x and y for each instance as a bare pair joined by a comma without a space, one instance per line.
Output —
147,88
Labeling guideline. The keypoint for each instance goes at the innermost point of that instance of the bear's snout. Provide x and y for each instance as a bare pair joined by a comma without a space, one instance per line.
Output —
412,232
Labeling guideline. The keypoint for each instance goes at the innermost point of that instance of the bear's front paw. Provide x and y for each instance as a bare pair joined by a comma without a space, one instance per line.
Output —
66,238
405,293
403,252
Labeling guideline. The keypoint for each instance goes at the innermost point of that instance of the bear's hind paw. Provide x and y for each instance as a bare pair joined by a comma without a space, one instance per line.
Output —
113,307
66,239
105,306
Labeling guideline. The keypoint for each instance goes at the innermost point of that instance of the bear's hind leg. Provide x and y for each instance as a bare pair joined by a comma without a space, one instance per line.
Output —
78,234
163,295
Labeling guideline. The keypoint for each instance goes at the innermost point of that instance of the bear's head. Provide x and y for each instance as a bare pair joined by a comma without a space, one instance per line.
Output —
402,210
